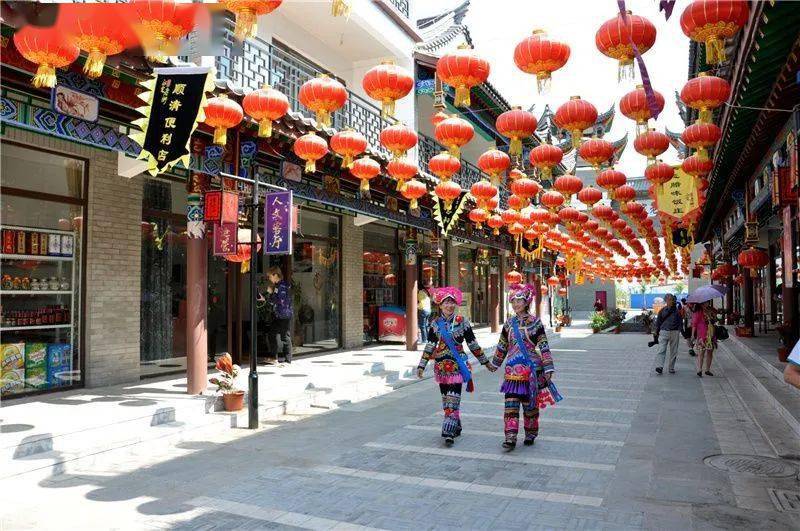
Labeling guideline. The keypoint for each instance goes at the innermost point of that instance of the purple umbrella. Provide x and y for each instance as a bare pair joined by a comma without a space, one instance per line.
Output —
706,293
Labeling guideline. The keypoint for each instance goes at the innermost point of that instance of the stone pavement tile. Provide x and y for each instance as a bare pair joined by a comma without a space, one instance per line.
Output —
675,490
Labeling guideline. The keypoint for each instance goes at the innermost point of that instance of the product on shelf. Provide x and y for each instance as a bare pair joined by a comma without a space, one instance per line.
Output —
12,367
59,360
36,365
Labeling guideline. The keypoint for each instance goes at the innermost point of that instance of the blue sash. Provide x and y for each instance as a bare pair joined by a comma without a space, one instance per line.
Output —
444,333
531,362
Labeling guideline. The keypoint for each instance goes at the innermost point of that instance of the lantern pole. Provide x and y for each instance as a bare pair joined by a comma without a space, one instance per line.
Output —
252,378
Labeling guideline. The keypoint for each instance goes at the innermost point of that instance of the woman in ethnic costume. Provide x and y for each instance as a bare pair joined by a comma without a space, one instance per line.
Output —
451,369
529,366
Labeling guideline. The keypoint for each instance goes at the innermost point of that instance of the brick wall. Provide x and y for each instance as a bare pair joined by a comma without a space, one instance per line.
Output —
352,283
113,262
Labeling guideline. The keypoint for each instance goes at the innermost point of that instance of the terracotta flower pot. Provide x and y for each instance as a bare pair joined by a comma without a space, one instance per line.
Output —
617,330
233,401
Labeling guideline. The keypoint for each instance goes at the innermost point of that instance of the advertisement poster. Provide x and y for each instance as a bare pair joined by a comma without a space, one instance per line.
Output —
278,223
391,324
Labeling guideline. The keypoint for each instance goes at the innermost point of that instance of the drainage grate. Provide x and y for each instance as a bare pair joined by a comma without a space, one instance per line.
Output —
753,465
785,500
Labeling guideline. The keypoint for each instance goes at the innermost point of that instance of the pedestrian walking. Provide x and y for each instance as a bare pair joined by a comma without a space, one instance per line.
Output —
668,334
529,366
423,313
280,298
703,334
686,324
451,369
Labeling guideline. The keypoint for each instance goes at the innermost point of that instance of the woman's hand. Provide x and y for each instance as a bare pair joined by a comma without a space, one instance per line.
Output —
420,373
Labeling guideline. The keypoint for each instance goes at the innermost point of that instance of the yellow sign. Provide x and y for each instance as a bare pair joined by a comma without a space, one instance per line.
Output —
678,197
579,278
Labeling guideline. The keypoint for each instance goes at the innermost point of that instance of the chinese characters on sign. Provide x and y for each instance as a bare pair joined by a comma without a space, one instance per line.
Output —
677,198
225,238
278,223
171,116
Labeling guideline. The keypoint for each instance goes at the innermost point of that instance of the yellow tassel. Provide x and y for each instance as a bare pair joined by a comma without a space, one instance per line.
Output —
246,24
45,76
454,150
220,136
515,147
387,109
341,8
265,128
495,179
577,135
496,232
347,161
364,186
543,82
715,51
447,204
93,67
401,185
414,204
702,154
546,173
324,118
461,98
245,266
311,166
705,115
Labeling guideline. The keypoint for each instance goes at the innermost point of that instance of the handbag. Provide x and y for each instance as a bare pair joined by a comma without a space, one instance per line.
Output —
721,333
686,331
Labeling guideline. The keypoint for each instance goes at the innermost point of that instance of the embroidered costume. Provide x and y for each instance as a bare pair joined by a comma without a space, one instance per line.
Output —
526,366
451,368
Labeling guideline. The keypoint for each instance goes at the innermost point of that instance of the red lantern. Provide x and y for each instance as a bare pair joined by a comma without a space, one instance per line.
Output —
162,23
494,162
98,30
444,165
701,136
310,148
365,169
568,185
596,151
553,281
590,195
604,212
543,290
516,202
704,94
323,95
348,144
514,277
243,247
401,171
516,125
510,216
387,83
617,37
634,105
222,114
625,193
412,191
462,70
483,191
398,139
525,188
562,292
515,229
568,216
453,133
266,105
247,13
516,173
697,167
49,48
552,200
447,191
651,144
478,216
611,179
575,116
753,259
541,56
495,223
438,117
713,21
545,157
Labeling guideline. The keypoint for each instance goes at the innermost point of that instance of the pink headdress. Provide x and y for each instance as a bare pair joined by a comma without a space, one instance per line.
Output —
447,292
521,291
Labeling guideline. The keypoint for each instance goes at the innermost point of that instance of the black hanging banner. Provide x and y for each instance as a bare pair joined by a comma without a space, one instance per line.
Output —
175,100
447,218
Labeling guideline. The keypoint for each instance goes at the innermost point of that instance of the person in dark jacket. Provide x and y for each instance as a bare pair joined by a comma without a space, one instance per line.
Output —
668,334
280,297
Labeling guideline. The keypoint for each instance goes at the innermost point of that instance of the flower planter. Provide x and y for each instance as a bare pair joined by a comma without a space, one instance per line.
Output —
558,328
617,329
783,354
233,401
595,330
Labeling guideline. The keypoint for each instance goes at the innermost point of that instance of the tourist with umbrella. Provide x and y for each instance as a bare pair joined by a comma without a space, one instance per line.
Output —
703,324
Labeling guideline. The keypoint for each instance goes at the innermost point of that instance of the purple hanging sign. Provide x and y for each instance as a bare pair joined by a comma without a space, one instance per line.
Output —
278,223
648,86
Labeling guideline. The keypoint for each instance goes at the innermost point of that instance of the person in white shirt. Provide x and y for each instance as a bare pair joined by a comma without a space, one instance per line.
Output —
423,313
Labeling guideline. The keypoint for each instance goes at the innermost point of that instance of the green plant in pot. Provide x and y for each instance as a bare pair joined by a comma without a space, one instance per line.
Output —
232,396
598,321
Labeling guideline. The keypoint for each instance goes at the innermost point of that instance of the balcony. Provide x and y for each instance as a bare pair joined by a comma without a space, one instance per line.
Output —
401,6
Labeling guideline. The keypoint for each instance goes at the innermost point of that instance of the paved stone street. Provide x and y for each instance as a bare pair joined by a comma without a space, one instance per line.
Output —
624,450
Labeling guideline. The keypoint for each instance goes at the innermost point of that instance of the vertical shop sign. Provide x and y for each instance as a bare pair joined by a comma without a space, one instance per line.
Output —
411,252
174,100
278,223
494,265
225,238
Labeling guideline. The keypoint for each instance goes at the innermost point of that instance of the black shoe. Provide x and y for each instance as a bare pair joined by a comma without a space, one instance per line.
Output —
672,371
448,441
458,432
709,373
529,442
700,374
659,370
509,445
692,352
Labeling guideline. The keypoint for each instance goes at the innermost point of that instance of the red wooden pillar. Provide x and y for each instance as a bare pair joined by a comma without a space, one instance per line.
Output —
410,258
494,288
196,290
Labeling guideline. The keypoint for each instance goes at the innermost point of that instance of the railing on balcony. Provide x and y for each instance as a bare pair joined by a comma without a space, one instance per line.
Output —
401,6
262,63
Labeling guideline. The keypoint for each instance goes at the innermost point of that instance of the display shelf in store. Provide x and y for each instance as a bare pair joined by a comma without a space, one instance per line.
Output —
35,327
7,292
37,257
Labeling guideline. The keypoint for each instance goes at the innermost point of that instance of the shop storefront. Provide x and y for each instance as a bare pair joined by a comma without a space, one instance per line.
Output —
383,312
43,208
473,281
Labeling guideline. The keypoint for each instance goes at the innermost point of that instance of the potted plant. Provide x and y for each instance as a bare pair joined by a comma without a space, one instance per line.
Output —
598,321
615,319
232,397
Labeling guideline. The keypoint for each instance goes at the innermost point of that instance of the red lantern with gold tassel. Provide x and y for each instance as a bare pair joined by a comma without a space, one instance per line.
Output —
324,96
659,173
611,179
516,125
753,259
401,171
247,13
616,39
552,200
701,136
478,216
462,69
348,144
444,165
589,196
222,113
483,192
49,48
454,133
161,24
495,163
310,148
651,144
514,277
624,194
266,105
568,185
365,169
545,157
713,21
596,151
526,188
575,116
448,191
704,94
398,139
634,105
697,167
495,222
99,30
412,191
387,83
540,56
